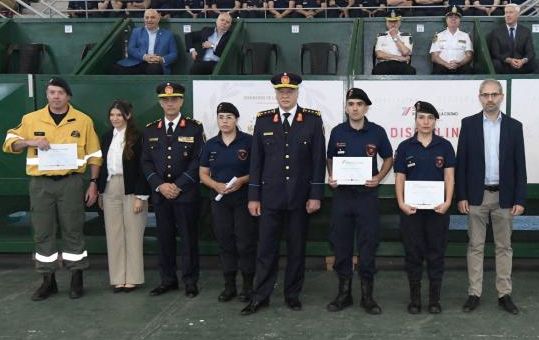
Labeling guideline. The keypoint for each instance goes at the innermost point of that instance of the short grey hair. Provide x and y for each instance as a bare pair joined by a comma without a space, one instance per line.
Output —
491,81
515,6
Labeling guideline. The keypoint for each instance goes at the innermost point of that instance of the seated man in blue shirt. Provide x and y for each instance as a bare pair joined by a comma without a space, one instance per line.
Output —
151,50
207,45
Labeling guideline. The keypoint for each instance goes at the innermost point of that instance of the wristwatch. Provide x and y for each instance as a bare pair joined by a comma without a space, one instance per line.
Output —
93,180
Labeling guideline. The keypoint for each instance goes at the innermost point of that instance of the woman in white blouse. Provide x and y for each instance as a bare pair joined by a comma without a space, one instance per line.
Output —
123,198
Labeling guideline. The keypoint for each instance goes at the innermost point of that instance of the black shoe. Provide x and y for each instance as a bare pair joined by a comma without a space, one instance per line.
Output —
191,290
471,304
344,296
247,288
47,288
76,285
117,289
230,291
294,304
163,288
129,289
435,308
367,301
254,306
414,307
506,303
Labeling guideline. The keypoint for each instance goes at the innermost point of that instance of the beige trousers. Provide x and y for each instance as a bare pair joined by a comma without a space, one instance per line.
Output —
502,226
125,233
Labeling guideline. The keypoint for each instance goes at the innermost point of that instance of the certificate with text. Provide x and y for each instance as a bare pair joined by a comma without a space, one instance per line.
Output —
352,170
58,157
424,194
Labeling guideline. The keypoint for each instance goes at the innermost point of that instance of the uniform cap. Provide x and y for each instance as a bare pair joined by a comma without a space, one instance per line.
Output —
57,81
426,107
355,93
169,89
453,10
394,15
225,107
286,80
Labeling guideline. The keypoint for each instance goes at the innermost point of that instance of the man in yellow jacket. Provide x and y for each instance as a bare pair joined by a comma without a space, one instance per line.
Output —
56,188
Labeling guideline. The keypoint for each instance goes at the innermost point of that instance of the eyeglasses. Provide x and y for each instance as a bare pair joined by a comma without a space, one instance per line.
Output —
488,95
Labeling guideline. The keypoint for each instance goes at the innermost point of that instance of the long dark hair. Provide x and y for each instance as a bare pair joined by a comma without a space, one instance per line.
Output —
131,132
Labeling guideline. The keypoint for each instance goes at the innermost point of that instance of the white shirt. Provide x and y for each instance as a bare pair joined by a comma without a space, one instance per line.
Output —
151,41
385,43
491,133
451,46
292,112
174,122
514,31
114,156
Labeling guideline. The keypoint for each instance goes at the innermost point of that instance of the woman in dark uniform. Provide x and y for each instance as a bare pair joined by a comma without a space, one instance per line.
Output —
424,157
224,157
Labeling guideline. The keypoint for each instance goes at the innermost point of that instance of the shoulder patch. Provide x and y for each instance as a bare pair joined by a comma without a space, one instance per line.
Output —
265,113
153,123
313,112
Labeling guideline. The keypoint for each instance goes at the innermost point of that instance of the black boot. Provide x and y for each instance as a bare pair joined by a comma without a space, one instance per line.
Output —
434,297
230,288
247,287
414,307
344,298
47,288
367,301
76,284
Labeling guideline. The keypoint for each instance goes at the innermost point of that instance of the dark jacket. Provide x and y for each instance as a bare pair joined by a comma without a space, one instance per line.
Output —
501,46
470,172
195,40
134,181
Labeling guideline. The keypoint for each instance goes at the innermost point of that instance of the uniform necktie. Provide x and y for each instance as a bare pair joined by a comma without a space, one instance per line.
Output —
170,130
286,124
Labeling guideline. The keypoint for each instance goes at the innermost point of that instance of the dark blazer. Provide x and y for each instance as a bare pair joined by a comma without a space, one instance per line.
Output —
470,172
165,46
287,171
501,46
195,40
134,181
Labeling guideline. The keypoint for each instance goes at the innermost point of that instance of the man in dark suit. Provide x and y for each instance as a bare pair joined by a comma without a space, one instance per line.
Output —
286,184
490,183
170,153
511,45
151,50
207,45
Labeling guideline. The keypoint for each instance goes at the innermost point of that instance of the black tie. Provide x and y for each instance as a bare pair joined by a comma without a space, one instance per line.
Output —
170,130
286,124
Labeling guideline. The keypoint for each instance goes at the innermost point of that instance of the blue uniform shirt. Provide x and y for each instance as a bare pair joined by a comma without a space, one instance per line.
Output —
370,141
421,163
225,161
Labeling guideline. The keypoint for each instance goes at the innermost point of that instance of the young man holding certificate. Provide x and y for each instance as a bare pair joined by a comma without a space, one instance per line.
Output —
424,181
355,144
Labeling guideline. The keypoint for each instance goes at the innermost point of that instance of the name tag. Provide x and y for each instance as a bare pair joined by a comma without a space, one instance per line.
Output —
39,133
153,139
409,165
186,139
268,133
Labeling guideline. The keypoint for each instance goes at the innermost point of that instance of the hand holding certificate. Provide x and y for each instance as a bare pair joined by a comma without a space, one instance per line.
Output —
424,194
58,157
352,170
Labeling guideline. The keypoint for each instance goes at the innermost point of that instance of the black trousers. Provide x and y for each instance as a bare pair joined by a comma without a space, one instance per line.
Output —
272,222
392,67
504,68
236,232
464,69
142,68
354,219
177,218
424,235
203,67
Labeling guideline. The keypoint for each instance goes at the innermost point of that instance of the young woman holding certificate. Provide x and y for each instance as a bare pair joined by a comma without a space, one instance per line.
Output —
422,162
224,167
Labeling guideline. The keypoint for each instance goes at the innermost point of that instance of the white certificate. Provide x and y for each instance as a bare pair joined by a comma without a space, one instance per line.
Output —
352,170
58,157
424,194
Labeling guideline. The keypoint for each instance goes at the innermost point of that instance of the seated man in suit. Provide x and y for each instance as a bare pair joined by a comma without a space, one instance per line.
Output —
452,50
393,48
206,45
511,45
151,50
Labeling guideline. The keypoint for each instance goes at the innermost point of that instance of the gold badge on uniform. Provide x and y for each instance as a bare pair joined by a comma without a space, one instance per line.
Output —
285,79
184,139
75,133
268,133
169,89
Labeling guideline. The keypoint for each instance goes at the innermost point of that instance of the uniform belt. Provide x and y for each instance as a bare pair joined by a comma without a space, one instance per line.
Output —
492,188
58,177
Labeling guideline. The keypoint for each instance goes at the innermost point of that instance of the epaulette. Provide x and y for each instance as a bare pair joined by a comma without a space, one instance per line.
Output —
153,123
194,120
405,34
265,113
313,112
382,34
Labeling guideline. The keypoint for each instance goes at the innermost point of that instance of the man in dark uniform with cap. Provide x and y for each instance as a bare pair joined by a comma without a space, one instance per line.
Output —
171,149
424,157
356,206
286,185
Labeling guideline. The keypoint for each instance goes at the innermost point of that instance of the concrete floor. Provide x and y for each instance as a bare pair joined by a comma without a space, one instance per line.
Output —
100,314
